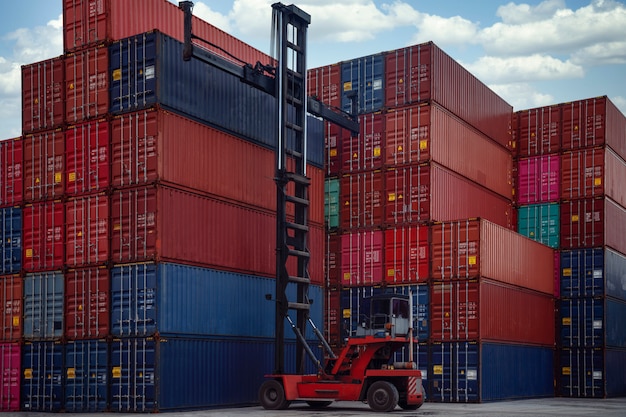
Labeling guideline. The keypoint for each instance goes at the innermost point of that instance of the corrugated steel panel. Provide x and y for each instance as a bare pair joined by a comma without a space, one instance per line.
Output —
364,152
362,258
44,236
43,95
86,376
44,294
478,248
331,202
11,296
540,222
333,144
362,200
11,172
87,230
332,261
10,355
615,273
87,303
539,179
87,157
324,83
593,322
615,361
539,131
86,84
333,317
582,273
407,254
424,72
365,76
42,376
581,372
44,165
11,244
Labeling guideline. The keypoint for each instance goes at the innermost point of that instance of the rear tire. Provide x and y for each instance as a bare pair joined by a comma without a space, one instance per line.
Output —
272,395
412,407
382,396
319,404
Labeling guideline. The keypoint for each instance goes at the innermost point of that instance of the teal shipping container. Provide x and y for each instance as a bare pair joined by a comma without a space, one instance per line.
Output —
44,296
540,222
331,202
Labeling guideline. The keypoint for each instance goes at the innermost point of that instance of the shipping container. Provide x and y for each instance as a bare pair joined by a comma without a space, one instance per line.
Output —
10,355
582,272
333,144
362,258
364,78
540,222
591,372
87,230
421,359
428,132
43,95
363,152
44,165
11,244
592,322
11,296
362,200
407,254
43,236
324,83
86,84
87,158
332,260
86,376
477,372
331,202
486,310
424,72
420,295
44,313
87,303
423,193
538,179
476,248
11,172
42,376
539,131
333,318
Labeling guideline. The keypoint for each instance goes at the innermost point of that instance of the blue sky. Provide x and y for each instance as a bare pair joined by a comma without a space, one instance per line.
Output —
532,53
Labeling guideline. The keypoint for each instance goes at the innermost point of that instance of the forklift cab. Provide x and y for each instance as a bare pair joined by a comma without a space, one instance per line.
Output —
389,315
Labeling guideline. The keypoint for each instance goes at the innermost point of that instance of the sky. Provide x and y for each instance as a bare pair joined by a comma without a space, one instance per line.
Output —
533,53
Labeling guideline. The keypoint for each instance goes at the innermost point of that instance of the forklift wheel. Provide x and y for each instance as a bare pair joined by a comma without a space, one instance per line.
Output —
403,405
319,404
382,396
272,395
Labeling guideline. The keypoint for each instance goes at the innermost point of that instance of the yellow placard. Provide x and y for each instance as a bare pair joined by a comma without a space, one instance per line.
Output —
567,321
391,272
71,373
28,373
377,151
347,86
391,197
116,372
71,177
566,370
346,276
117,74
438,369
597,182
423,144
16,321
333,152
346,313
29,252
574,217
58,177
567,272
471,260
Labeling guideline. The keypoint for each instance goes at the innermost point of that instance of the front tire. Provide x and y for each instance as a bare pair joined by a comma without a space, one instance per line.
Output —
382,396
272,395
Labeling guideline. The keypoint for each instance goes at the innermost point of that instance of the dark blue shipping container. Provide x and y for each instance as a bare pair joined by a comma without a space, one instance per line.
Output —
86,376
365,77
581,373
11,244
421,307
615,272
582,273
593,322
42,376
615,361
421,358
180,300
474,372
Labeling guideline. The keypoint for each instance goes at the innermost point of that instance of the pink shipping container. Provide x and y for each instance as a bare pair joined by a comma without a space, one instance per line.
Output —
11,356
87,157
11,294
428,132
476,248
362,200
43,95
407,254
430,192
362,258
87,84
44,165
486,310
539,179
87,230
424,72
538,131
324,83
87,303
44,236
11,166
365,151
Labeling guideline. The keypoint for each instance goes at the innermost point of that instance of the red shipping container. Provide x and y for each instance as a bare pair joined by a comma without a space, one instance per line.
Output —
87,303
87,84
539,131
87,157
44,165
428,132
365,151
43,95
424,72
539,179
11,357
333,138
485,310
476,248
593,122
11,294
333,261
407,254
362,200
430,192
44,236
324,83
362,258
11,180
333,318
87,230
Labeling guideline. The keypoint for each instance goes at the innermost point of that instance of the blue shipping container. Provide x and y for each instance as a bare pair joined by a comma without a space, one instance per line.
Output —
615,273
86,376
541,223
582,273
365,77
593,322
42,376
581,372
180,300
44,305
11,244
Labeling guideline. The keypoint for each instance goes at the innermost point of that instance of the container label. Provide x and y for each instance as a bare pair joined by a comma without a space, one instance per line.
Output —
117,74
28,373
71,373
16,321
346,313
597,274
567,321
566,370
378,84
597,324
597,374
472,260
377,151
597,182
71,177
391,272
347,86
438,370
567,272
472,374
117,372
29,252
58,177
391,197
346,276
574,217
333,152
423,144
150,72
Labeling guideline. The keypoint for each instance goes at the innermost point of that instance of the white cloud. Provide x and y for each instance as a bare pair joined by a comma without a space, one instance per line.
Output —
217,19
38,43
515,14
601,54
445,31
522,95
536,67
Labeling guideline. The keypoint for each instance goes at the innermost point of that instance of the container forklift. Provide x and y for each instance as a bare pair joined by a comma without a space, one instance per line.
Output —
364,369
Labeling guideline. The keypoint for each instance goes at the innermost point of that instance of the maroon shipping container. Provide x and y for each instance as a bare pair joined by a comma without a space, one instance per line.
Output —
324,83
11,294
87,230
333,138
362,258
538,131
593,122
87,84
44,236
333,261
486,310
87,157
11,180
424,72
43,95
428,132
476,248
362,200
87,303
430,192
365,151
333,317
44,165
407,254
538,179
